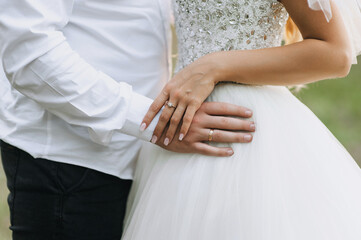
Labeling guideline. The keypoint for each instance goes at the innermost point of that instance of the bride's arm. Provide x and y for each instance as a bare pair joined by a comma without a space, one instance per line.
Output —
324,53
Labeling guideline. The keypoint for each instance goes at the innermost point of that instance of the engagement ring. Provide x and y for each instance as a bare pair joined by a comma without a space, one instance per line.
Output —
169,104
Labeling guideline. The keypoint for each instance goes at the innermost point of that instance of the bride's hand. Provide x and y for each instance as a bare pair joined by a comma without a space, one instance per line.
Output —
181,97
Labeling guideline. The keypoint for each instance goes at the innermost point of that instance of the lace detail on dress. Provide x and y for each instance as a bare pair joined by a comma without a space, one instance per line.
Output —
205,26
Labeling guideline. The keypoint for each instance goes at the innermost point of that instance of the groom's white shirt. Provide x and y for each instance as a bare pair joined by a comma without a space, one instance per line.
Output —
82,76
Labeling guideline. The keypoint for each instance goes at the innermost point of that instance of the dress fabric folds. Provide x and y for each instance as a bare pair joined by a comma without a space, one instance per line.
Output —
295,181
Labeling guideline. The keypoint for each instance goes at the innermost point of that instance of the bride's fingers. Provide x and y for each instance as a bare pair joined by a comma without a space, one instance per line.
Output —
154,108
187,119
221,136
205,149
162,123
174,122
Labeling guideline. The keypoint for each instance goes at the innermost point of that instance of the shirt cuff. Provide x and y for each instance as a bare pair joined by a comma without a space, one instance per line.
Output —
138,107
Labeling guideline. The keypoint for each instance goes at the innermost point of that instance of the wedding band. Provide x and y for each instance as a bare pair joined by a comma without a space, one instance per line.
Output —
169,104
210,135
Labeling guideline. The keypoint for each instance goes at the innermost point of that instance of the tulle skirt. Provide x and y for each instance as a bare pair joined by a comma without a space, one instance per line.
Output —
295,181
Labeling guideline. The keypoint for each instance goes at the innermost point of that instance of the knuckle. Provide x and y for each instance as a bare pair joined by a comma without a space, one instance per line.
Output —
163,118
191,99
177,93
196,120
225,121
187,119
195,102
187,142
154,107
224,108
243,125
167,88
174,120
239,138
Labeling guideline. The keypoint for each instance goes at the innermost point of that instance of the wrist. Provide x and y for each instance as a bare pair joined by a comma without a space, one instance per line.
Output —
219,67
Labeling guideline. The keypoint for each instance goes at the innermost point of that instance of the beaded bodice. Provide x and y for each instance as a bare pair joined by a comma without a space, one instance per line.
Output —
205,26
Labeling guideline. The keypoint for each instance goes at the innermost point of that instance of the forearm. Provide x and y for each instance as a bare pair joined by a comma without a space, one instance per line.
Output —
300,63
68,87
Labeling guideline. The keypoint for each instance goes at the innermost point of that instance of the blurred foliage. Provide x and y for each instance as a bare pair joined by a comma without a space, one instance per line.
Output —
338,104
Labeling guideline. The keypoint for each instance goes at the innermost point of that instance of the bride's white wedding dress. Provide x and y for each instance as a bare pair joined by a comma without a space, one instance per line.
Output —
295,181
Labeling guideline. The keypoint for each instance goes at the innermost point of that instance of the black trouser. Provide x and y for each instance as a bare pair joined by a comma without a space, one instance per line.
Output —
53,201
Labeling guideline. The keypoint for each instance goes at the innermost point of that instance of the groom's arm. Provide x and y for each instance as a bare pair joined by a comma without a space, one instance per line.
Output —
40,64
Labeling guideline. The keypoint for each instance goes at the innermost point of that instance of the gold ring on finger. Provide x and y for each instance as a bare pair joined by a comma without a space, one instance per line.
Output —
210,135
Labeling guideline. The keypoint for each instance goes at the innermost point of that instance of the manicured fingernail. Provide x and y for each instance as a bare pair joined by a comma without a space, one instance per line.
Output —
166,141
248,138
142,127
154,139
248,112
252,126
181,136
230,152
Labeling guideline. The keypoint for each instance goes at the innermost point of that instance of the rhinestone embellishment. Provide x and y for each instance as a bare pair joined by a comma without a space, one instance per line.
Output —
205,26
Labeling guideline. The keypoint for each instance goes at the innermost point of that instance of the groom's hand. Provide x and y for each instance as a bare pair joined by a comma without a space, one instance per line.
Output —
223,118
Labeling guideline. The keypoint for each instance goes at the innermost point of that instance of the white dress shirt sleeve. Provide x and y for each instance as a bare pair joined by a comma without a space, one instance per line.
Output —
40,64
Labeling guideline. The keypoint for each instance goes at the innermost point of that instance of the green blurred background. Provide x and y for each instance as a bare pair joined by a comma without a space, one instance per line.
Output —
336,102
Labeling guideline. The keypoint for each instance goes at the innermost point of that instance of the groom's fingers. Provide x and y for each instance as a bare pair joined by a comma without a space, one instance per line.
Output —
229,123
226,109
205,149
222,136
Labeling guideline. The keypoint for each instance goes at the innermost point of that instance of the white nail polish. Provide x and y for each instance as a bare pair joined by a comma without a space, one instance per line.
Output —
166,141
248,113
252,126
142,127
181,136
247,138
230,152
154,139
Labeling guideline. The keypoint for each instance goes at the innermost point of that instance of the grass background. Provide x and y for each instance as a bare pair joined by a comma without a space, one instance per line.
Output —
336,102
